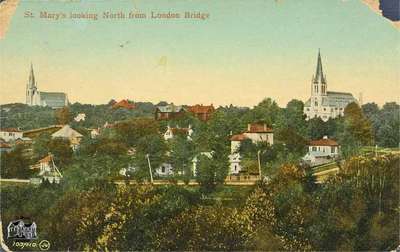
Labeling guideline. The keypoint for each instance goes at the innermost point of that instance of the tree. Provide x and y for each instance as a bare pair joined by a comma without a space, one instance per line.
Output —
41,145
388,132
294,142
266,111
181,157
207,173
316,128
149,148
15,164
63,115
129,132
356,130
293,117
62,151
203,229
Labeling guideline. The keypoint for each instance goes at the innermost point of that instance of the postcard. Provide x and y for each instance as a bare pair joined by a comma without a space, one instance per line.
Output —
199,125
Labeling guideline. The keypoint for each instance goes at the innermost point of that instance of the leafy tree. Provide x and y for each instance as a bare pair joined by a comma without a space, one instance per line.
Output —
63,116
294,142
41,145
388,133
266,111
62,151
293,117
206,174
182,154
356,130
202,228
316,128
131,131
15,164
149,148
103,146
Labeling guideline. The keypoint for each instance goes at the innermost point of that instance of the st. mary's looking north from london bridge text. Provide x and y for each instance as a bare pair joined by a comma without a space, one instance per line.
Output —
120,15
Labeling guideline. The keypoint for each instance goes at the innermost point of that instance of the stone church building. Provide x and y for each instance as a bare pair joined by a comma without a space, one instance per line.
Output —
34,97
323,103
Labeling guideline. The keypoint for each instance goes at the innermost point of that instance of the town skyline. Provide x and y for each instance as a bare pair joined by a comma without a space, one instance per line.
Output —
218,60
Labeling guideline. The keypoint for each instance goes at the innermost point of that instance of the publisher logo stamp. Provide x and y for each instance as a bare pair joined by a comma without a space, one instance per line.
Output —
20,229
24,234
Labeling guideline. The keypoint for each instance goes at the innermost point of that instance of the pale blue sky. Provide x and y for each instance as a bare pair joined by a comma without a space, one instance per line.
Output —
245,51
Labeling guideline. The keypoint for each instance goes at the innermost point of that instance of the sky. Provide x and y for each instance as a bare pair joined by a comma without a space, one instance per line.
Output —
245,51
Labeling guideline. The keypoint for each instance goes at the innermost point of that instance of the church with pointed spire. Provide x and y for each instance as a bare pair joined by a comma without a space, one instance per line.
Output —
323,103
34,97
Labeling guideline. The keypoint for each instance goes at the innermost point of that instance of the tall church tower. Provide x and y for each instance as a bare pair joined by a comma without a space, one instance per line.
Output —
318,84
31,89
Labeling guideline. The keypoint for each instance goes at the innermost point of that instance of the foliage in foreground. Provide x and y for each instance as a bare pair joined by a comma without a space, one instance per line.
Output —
356,210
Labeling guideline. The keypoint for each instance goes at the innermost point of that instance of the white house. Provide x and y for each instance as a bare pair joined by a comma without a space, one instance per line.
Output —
323,103
68,133
94,133
80,117
171,132
10,134
47,169
256,133
165,169
322,151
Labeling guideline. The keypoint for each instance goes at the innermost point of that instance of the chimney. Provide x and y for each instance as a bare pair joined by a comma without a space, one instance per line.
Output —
325,137
249,127
265,127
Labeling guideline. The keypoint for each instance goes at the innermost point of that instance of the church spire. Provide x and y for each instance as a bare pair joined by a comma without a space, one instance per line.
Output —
32,81
319,74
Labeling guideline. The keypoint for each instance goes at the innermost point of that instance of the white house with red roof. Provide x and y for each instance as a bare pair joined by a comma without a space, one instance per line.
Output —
257,133
10,134
171,132
322,151
47,169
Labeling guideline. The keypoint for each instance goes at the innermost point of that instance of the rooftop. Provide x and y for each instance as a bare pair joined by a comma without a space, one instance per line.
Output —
10,130
201,109
124,104
258,128
324,142
170,108
238,137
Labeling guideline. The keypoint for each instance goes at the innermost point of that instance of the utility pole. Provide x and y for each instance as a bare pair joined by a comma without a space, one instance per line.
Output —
151,173
259,163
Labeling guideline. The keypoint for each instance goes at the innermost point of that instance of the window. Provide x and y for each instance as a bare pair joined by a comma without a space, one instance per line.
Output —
163,169
314,148
324,109
316,103
333,149
235,167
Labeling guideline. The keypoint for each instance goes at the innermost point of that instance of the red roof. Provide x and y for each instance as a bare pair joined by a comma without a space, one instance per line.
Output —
258,128
200,109
324,142
238,137
180,130
47,159
5,145
124,104
10,130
